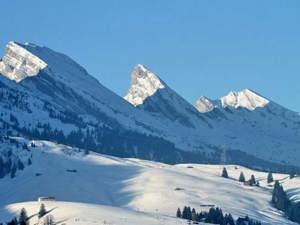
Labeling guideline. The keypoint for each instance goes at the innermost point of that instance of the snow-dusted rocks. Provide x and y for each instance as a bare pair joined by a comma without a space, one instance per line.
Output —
18,63
144,84
245,99
204,105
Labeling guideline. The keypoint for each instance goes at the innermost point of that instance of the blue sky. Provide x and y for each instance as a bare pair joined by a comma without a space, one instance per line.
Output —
198,47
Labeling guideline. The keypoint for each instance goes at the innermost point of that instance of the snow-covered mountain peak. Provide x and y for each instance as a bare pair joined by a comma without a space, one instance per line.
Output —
203,104
144,84
245,99
18,63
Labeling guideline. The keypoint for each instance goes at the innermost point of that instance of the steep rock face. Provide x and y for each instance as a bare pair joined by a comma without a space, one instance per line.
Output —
246,99
204,105
18,63
149,93
144,84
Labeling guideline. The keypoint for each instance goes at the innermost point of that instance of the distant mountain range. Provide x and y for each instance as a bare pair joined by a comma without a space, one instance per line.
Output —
46,95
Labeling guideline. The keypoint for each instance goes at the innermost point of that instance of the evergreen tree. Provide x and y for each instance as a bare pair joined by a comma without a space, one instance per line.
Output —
23,218
184,213
252,180
242,177
13,171
270,178
279,197
194,215
20,165
42,211
224,173
178,213
292,175
189,213
13,222
228,219
49,220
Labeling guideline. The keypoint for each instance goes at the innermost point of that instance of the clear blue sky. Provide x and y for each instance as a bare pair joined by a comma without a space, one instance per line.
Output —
198,47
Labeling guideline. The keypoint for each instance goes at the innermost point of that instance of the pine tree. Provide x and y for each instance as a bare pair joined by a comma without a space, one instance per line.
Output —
13,222
270,178
242,177
20,165
42,211
23,218
279,197
184,213
228,219
194,215
178,213
292,175
49,220
189,213
224,173
252,180
13,172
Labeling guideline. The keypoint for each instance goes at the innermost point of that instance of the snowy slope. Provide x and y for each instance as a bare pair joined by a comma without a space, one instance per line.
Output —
50,96
88,214
137,188
241,121
46,95
257,126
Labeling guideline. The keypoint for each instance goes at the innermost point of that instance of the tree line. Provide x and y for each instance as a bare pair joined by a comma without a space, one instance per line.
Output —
282,202
213,216
252,181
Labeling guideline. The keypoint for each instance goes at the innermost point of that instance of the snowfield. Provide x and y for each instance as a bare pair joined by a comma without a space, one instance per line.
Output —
99,189
88,214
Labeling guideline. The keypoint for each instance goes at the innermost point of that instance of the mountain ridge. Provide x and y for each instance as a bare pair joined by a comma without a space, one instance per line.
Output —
64,103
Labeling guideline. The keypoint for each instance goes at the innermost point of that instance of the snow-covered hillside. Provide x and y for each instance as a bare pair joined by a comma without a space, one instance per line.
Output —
72,213
46,95
255,123
241,121
50,96
124,191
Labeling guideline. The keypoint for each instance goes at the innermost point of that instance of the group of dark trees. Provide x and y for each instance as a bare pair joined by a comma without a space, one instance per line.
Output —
282,202
24,219
213,216
252,181
10,163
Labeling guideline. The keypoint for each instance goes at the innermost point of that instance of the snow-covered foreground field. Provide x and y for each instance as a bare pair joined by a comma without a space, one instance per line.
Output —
89,214
98,189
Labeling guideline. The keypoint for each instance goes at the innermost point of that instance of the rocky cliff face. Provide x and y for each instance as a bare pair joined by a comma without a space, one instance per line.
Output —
18,63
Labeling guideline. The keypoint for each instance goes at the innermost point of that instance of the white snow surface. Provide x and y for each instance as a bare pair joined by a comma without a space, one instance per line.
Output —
245,98
18,63
71,213
144,84
133,191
